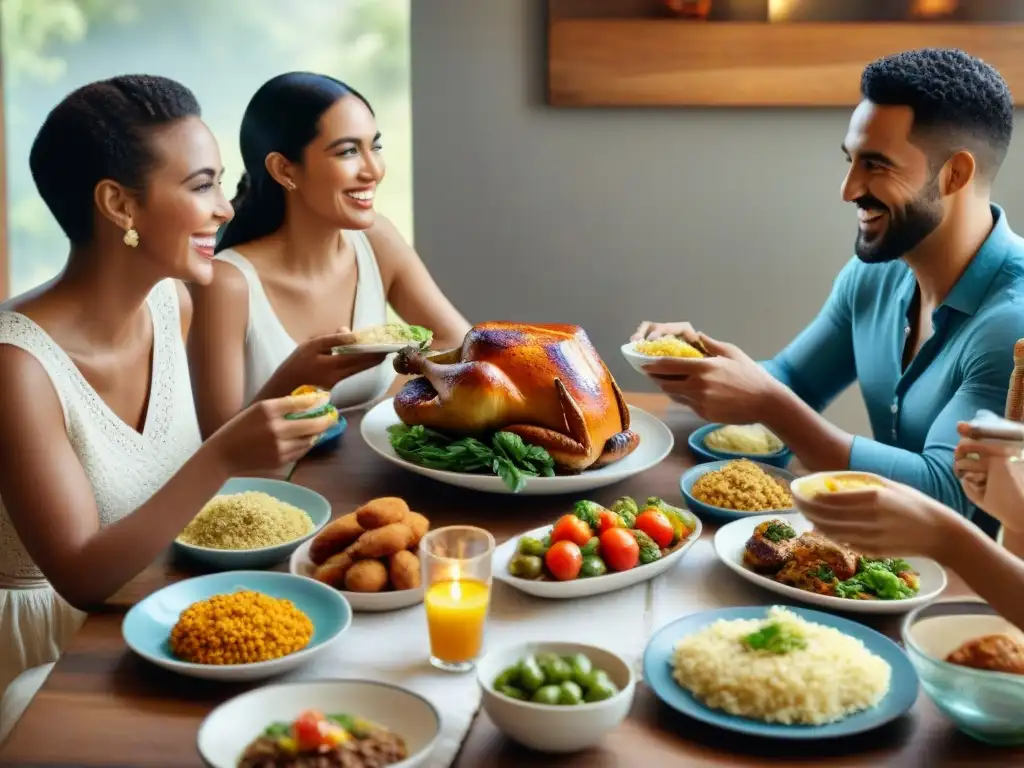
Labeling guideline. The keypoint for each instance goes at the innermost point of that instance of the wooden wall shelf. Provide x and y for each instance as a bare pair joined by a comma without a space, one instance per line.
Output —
651,62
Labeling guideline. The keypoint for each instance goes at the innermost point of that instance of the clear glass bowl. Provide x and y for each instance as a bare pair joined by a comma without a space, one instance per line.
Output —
988,706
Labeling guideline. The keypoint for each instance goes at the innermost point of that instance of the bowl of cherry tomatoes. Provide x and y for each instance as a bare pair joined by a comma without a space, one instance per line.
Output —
593,549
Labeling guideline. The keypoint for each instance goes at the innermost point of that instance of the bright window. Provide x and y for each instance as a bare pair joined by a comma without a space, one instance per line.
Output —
223,50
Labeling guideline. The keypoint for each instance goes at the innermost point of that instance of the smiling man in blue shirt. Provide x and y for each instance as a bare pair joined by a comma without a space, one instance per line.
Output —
925,317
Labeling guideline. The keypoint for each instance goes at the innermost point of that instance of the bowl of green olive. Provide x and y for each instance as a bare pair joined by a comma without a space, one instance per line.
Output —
556,697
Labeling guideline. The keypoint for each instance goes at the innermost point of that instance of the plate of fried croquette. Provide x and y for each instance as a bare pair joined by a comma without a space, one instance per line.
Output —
369,555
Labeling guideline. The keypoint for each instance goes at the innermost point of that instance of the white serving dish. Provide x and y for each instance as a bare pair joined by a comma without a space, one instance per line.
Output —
553,728
372,349
731,540
365,602
656,443
638,360
230,728
596,585
807,487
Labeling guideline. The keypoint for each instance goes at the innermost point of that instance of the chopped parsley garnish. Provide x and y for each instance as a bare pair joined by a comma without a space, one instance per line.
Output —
775,638
778,531
824,573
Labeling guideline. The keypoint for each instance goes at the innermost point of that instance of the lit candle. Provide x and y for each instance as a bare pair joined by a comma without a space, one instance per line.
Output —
456,614
457,577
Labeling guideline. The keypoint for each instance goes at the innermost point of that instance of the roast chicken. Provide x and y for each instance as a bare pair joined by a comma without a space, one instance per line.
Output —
545,383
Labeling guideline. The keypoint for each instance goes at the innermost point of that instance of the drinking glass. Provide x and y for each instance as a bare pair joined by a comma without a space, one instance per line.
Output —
456,563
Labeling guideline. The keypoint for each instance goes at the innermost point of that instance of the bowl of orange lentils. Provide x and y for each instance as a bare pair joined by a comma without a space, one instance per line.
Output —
237,626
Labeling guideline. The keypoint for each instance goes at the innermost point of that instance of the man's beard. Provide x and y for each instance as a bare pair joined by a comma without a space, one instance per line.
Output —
905,229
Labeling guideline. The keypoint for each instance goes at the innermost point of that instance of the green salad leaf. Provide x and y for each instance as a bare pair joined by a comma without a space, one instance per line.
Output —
878,578
419,334
504,454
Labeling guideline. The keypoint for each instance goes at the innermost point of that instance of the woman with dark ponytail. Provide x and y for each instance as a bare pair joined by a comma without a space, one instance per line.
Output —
306,258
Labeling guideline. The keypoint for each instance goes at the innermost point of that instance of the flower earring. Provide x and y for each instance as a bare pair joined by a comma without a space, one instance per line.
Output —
291,186
131,238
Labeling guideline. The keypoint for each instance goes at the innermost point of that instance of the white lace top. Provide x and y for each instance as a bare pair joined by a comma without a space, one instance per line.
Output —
124,466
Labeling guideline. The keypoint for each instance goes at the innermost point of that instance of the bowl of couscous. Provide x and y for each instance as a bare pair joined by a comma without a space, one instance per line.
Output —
237,626
253,523
728,490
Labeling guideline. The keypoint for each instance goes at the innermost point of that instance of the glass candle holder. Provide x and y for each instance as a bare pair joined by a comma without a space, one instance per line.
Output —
456,563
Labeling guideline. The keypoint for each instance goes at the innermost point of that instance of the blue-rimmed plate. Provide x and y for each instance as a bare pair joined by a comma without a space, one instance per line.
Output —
720,514
697,445
902,694
330,438
147,626
310,502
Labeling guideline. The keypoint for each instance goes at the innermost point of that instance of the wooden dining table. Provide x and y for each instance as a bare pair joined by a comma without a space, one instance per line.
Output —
104,706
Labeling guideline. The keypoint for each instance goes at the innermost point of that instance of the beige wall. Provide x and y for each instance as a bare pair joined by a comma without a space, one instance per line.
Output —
730,219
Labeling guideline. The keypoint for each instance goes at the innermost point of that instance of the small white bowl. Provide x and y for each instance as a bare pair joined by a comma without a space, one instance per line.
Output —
807,487
638,360
548,727
364,602
230,728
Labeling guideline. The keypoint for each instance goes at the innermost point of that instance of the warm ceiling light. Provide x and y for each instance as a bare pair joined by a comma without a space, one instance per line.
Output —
930,9
781,10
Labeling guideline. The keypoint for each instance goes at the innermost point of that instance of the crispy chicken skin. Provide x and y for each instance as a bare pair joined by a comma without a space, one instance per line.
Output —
994,653
545,383
767,551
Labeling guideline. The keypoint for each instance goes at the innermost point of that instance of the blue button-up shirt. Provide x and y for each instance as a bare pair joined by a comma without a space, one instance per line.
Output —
860,335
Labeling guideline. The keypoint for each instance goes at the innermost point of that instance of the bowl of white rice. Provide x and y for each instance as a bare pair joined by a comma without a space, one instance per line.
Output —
252,523
787,673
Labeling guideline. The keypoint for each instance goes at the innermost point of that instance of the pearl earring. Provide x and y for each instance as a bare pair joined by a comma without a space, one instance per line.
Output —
131,238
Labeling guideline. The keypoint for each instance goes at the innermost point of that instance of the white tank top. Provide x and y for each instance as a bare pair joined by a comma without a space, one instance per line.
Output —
124,466
267,343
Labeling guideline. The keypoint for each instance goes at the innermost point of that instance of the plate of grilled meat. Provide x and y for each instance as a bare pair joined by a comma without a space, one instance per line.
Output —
784,554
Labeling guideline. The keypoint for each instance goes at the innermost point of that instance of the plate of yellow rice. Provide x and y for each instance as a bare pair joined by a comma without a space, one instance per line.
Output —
237,626
253,523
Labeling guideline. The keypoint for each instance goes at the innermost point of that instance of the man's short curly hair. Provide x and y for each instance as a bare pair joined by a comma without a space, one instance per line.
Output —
959,102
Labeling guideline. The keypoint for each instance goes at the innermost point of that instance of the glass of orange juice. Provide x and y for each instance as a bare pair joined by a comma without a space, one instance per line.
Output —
457,581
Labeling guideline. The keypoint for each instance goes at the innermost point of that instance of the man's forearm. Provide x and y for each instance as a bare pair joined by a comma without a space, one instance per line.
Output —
816,442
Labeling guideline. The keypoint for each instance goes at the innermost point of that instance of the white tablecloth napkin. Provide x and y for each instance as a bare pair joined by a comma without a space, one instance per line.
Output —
393,648
702,582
